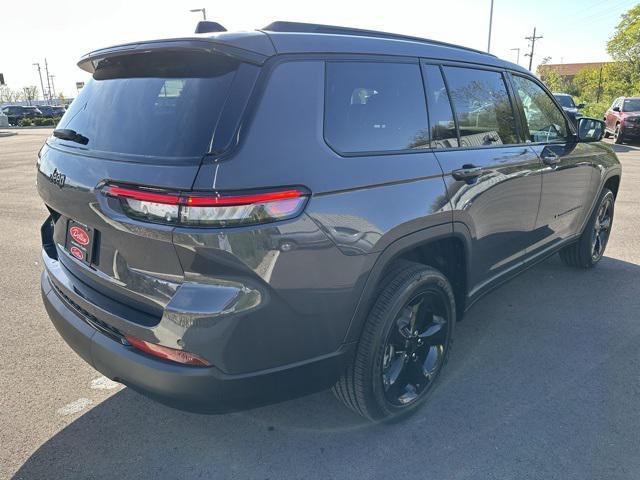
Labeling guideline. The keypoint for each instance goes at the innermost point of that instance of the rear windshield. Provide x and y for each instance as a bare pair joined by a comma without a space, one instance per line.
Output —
159,105
566,101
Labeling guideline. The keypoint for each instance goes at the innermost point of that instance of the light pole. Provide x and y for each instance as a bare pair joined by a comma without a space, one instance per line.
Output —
518,57
53,88
490,25
203,10
44,97
46,70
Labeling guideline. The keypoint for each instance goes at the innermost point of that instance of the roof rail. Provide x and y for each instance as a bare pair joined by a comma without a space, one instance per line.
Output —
283,26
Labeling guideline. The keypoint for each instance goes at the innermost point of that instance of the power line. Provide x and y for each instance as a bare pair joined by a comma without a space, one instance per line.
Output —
532,39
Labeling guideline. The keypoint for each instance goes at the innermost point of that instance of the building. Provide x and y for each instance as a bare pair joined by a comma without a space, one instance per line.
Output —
567,71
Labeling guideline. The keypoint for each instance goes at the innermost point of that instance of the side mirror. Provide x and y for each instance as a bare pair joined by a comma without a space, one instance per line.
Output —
590,129
580,106
616,109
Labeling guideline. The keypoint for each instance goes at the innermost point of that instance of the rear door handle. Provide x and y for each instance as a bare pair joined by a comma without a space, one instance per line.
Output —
467,172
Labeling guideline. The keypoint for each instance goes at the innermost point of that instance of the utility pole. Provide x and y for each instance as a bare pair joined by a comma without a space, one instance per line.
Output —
532,39
44,96
53,89
599,85
46,69
490,25
518,58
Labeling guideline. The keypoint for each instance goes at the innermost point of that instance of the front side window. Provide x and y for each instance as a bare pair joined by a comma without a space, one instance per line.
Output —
375,107
545,120
443,126
482,106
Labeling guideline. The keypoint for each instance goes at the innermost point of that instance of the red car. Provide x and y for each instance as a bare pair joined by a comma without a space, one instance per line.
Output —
622,120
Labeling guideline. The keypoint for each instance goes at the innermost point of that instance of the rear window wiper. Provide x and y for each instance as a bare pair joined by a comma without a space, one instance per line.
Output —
71,135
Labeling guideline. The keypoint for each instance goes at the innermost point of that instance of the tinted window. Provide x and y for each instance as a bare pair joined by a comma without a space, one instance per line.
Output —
631,105
443,126
375,107
154,106
545,120
565,101
483,109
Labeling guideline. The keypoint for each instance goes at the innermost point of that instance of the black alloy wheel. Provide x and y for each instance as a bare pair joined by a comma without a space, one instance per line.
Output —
602,228
404,345
414,350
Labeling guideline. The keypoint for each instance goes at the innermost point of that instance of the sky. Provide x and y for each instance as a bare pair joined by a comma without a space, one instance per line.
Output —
62,31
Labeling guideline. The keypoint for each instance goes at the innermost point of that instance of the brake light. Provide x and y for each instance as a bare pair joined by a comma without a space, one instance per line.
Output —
166,353
214,210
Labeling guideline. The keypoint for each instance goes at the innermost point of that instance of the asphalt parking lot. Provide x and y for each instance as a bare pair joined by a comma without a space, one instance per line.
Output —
544,382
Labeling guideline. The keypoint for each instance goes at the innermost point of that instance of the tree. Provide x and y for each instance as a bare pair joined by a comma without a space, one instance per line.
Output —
552,79
8,95
30,93
624,46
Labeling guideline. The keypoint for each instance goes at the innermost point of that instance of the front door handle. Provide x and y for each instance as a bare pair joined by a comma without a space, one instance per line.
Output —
467,172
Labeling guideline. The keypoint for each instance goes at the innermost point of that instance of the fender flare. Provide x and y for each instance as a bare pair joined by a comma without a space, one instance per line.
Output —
391,253
609,174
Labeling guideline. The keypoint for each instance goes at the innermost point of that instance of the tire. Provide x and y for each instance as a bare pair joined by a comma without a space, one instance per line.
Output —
581,254
369,383
606,133
618,135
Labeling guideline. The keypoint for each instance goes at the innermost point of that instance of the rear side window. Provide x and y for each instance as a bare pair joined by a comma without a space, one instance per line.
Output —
158,105
375,107
482,105
443,126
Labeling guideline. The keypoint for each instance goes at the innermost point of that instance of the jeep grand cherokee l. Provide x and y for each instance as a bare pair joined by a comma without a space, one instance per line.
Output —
240,218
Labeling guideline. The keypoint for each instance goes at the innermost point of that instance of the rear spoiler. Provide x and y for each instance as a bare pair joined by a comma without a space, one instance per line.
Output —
90,61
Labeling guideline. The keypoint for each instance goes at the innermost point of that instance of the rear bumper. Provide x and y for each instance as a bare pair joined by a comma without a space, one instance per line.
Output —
204,390
631,131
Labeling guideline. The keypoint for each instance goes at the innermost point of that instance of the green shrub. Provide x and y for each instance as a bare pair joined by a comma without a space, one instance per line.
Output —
25,122
594,109
44,122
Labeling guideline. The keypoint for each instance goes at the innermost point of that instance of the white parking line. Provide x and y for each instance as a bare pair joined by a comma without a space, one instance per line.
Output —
103,383
74,407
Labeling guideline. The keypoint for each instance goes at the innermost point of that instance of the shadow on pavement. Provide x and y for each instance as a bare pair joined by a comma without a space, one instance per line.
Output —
543,383
625,147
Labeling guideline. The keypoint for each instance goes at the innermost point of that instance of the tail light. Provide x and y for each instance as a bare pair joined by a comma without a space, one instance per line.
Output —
209,210
166,353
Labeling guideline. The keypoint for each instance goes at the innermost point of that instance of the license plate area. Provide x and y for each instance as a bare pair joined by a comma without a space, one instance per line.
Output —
79,241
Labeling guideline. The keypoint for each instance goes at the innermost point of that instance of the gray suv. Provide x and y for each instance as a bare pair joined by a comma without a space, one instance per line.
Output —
240,218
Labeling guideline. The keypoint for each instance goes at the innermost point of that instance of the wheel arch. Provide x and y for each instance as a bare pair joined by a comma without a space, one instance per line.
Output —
613,183
610,180
442,247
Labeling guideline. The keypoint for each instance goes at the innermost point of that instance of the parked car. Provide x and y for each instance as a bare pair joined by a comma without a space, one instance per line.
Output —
622,120
31,111
568,105
15,113
51,110
333,202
